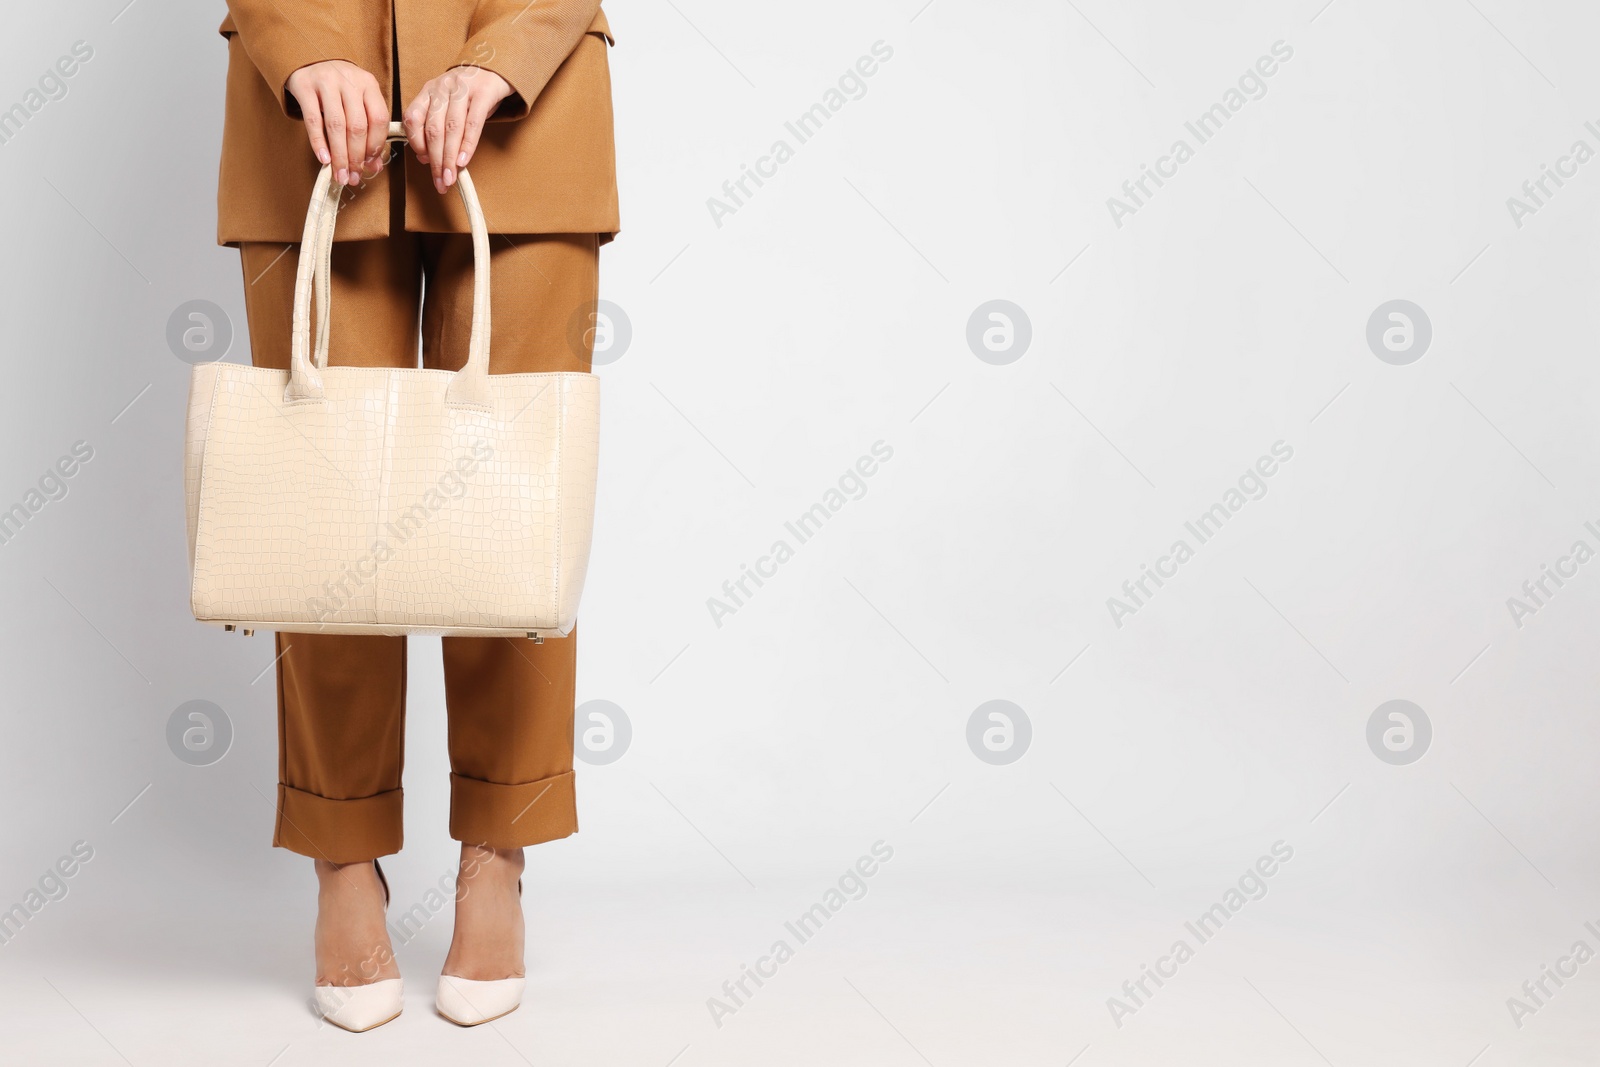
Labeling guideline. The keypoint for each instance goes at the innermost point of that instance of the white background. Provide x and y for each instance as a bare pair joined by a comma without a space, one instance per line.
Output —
830,712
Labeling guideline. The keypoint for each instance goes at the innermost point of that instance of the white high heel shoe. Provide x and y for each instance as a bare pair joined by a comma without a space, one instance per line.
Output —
362,1007
467,1002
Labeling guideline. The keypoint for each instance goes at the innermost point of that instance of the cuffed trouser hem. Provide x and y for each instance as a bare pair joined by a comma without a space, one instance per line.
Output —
339,831
511,816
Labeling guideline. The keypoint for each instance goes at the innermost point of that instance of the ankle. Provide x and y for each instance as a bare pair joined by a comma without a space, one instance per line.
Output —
326,870
481,863
351,935
339,879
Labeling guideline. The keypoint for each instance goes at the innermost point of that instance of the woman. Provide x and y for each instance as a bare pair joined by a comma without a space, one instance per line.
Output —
520,91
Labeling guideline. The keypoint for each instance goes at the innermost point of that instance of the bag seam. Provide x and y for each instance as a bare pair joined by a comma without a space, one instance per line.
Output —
200,506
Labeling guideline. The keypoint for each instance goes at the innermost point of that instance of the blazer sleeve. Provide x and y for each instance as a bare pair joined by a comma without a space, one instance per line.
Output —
281,36
525,43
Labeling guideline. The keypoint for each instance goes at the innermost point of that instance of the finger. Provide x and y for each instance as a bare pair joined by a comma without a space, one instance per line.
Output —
477,114
312,112
377,126
433,129
455,127
413,120
355,117
333,122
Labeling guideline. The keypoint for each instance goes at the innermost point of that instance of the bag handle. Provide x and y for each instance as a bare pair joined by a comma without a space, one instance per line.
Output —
470,386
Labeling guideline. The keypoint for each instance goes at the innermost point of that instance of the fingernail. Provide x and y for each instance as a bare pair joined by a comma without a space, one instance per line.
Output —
322,157
461,160
449,176
342,176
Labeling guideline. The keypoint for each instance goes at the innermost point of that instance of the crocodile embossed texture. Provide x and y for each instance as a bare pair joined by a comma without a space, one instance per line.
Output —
381,508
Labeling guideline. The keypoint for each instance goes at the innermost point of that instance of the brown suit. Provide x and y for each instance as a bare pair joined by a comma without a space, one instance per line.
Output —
545,170
546,163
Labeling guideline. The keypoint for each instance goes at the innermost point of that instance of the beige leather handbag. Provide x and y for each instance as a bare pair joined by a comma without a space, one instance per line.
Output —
364,500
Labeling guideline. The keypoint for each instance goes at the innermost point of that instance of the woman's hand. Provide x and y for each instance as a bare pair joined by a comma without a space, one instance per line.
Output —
446,119
346,118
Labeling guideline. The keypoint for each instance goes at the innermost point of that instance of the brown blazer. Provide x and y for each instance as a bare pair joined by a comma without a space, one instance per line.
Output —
546,162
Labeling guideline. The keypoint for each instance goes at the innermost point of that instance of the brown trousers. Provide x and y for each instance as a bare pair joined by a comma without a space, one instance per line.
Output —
341,698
